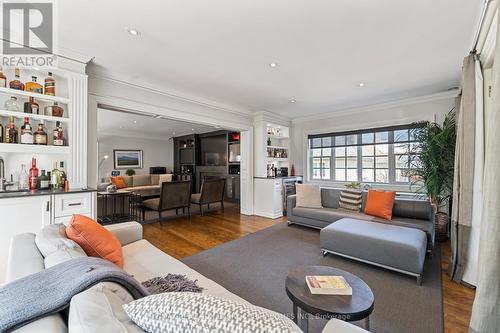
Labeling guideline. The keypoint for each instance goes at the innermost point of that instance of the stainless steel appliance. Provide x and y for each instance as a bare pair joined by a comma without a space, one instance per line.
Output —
289,189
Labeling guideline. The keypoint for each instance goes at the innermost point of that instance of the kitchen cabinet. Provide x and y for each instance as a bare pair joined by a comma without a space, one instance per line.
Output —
30,213
20,215
268,194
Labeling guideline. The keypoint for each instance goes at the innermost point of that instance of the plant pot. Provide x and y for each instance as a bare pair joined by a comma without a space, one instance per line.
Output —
441,225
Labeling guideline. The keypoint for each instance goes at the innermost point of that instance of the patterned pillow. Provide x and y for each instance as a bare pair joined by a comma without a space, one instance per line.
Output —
194,312
350,199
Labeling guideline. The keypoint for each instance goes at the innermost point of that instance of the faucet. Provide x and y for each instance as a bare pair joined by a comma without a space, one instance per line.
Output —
3,182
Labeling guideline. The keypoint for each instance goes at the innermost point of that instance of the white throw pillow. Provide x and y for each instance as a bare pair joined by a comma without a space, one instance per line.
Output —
308,196
52,238
180,312
64,254
99,309
165,178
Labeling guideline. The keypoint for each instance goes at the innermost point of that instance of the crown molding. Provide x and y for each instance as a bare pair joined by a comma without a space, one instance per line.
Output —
93,73
380,106
272,117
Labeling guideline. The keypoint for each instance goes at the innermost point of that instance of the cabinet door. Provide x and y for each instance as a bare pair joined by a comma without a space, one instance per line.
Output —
20,215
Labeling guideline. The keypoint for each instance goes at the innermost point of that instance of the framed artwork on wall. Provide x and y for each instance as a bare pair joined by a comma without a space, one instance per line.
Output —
127,159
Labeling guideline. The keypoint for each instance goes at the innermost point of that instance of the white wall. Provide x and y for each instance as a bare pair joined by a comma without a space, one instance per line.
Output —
429,108
154,153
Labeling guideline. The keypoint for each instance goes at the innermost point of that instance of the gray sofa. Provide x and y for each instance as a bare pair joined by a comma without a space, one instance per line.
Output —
411,213
99,309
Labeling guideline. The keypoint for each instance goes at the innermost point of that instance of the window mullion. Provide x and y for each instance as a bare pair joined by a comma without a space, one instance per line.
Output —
392,159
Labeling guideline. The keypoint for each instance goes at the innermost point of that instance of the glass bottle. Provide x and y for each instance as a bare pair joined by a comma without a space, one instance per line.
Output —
43,181
33,176
58,135
16,83
26,132
62,175
55,180
50,85
1,134
41,137
57,111
11,104
12,132
3,78
23,178
33,86
31,106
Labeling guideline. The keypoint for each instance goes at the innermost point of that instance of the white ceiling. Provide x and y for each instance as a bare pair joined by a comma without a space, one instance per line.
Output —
121,124
219,50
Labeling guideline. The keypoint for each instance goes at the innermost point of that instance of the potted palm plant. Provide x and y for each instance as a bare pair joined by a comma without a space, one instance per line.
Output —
432,162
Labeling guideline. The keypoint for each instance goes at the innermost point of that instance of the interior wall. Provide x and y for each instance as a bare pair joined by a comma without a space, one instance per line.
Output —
430,108
154,153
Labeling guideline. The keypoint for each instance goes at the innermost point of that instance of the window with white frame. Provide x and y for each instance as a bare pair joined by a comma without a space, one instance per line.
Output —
367,156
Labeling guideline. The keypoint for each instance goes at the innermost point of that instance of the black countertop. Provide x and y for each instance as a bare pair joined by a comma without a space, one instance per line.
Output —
279,177
34,193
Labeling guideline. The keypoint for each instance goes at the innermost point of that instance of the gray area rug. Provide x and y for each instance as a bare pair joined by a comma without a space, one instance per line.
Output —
255,267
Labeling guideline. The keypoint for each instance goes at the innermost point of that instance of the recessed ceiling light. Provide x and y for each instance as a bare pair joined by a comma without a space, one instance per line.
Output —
133,32
293,101
192,129
361,84
173,133
121,126
217,126
135,121
273,65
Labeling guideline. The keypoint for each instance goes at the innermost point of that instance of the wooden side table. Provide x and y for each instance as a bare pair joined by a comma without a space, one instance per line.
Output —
359,306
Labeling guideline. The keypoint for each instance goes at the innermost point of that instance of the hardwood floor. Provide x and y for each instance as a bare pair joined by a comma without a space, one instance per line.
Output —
457,298
181,238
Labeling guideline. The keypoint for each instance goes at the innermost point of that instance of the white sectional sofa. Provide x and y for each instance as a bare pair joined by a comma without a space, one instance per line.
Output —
142,260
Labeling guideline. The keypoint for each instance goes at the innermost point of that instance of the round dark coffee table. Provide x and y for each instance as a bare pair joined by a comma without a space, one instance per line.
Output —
348,308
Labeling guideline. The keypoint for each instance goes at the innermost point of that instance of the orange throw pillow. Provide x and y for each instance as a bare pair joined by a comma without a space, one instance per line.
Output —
94,239
379,203
118,182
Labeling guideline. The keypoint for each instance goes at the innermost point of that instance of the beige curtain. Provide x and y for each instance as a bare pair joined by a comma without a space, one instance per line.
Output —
461,216
486,309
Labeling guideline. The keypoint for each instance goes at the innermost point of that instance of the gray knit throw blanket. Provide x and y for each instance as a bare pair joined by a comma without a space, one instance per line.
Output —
171,283
47,292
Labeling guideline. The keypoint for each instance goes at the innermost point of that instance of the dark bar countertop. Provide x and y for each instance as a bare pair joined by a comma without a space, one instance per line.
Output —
280,177
33,193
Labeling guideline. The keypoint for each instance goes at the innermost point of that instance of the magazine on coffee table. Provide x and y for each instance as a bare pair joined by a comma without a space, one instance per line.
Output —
328,285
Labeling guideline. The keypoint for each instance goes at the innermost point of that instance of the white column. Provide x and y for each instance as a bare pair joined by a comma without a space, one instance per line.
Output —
77,166
246,173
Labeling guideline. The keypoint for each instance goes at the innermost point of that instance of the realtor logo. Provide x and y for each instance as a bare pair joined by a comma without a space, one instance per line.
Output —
27,34
27,28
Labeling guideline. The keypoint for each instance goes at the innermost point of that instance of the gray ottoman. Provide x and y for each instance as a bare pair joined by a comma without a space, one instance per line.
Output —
397,248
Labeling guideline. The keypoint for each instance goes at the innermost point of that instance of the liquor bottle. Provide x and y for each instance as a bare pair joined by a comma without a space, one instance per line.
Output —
11,104
268,141
33,177
40,136
55,179
3,79
12,132
23,178
50,85
16,83
58,135
26,132
43,181
62,175
33,86
57,111
31,106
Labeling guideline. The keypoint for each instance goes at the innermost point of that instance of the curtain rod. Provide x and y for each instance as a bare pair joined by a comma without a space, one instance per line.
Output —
480,26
